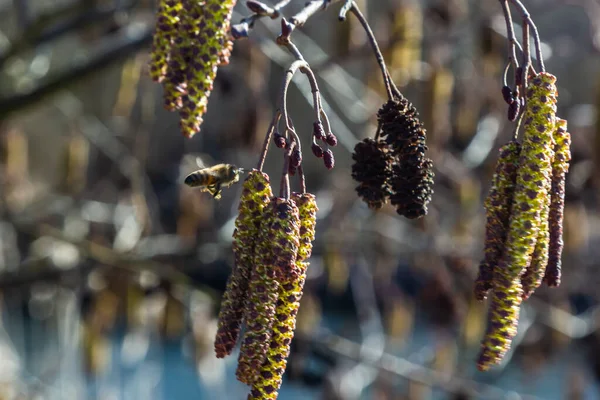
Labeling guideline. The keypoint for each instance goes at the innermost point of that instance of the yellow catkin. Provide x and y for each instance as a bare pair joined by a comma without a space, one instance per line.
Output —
165,30
530,199
275,258
498,205
269,381
212,47
255,196
533,276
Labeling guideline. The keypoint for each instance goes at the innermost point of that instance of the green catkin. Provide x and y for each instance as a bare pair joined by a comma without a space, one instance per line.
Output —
530,198
212,47
174,84
164,32
275,252
534,274
255,196
498,206
269,380
502,322
560,167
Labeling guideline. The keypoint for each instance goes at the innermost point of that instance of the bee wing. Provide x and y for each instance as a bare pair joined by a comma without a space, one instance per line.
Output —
191,163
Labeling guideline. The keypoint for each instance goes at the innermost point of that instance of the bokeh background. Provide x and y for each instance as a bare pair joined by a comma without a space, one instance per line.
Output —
111,270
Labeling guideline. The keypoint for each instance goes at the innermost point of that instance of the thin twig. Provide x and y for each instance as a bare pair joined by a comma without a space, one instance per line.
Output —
301,179
314,88
289,74
298,144
527,21
268,136
311,8
344,10
510,32
397,93
284,186
242,28
378,132
526,58
371,36
294,50
298,20
518,124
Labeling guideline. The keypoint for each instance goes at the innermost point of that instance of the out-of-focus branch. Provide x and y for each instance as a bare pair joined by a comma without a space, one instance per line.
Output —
94,251
403,368
61,21
114,47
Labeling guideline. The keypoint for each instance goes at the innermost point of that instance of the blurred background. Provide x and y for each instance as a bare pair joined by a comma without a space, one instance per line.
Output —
111,270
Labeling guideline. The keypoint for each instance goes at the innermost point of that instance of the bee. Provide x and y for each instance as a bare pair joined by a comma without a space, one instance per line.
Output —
214,179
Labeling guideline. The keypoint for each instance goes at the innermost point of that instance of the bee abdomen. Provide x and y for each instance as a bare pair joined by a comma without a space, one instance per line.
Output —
195,179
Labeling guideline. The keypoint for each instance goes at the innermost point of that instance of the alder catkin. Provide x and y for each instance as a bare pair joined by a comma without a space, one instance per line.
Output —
530,198
412,174
255,196
372,169
498,206
274,265
560,167
269,380
164,32
209,31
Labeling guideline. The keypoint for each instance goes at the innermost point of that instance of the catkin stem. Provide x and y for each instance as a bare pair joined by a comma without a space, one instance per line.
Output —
373,41
510,32
268,136
528,22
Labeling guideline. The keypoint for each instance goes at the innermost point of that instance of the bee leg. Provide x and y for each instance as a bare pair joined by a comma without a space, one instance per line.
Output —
217,191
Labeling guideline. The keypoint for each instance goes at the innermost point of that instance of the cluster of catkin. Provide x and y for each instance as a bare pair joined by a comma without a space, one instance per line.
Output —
393,166
524,209
191,40
272,243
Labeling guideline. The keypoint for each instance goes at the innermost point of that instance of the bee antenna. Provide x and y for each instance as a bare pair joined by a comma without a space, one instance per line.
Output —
242,170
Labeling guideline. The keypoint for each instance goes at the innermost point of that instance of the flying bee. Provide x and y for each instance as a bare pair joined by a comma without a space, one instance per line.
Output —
214,179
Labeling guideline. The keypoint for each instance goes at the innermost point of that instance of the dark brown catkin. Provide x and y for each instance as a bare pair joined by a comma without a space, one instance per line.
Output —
560,167
372,169
412,173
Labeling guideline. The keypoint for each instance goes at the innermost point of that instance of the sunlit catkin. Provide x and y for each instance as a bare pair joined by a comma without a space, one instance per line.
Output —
530,197
498,206
532,277
255,196
269,380
560,167
275,253
164,33
502,321
211,48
